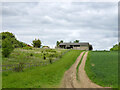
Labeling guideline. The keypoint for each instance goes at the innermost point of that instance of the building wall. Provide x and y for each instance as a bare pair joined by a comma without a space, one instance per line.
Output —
81,48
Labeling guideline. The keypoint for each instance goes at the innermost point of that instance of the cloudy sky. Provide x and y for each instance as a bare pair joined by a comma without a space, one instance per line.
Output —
93,22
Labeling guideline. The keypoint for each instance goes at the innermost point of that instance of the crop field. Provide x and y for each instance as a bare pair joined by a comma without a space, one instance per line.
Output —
102,68
39,77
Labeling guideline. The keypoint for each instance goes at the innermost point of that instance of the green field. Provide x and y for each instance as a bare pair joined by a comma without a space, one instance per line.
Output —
42,76
102,68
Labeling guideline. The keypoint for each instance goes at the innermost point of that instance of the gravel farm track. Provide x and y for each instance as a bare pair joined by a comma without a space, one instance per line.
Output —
69,80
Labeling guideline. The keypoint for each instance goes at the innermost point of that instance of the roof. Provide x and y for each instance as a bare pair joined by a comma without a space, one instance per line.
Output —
84,44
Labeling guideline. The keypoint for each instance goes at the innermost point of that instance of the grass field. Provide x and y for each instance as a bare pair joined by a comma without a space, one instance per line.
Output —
102,68
40,77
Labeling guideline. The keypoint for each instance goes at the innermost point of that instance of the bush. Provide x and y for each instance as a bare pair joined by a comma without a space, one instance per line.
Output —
31,54
7,47
50,60
41,51
19,67
44,56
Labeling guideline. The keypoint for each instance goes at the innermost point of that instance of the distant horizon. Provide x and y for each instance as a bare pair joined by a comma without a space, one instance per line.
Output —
91,22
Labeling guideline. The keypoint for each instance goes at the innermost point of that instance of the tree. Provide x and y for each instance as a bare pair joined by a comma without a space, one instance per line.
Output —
76,41
7,47
115,47
61,41
58,42
7,35
12,38
36,43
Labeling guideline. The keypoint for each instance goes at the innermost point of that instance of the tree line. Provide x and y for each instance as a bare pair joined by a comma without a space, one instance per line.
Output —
8,42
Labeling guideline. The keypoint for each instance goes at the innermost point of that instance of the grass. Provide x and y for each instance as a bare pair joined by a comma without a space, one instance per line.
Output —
102,68
40,77
77,69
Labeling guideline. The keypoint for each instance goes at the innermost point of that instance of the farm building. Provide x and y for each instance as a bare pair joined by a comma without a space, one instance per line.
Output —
78,46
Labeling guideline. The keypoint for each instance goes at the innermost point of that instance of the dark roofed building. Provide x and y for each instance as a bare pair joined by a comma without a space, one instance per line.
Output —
79,46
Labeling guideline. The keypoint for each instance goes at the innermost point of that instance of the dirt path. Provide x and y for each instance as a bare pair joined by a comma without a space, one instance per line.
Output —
70,75
69,80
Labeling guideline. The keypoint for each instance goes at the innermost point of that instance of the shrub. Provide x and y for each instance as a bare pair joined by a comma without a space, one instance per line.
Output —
41,51
7,47
51,55
19,67
50,60
44,56
31,54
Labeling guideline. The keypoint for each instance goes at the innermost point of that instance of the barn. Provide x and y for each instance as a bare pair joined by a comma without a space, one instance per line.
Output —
78,46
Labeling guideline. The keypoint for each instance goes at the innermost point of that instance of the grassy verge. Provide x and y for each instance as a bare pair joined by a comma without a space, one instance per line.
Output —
40,77
102,68
77,69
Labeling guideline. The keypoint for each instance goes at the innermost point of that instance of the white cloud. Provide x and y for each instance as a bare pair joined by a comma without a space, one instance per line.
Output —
92,22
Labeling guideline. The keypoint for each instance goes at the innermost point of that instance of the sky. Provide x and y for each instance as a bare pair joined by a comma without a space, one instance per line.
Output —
93,22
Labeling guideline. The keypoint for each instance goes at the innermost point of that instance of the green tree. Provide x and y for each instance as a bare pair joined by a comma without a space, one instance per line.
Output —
115,47
11,37
7,35
61,41
58,42
36,43
7,47
76,41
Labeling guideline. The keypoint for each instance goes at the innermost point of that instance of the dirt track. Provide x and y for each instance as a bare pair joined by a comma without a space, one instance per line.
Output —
69,80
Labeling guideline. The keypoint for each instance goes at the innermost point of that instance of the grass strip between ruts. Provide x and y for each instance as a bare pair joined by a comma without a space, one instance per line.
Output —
78,66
